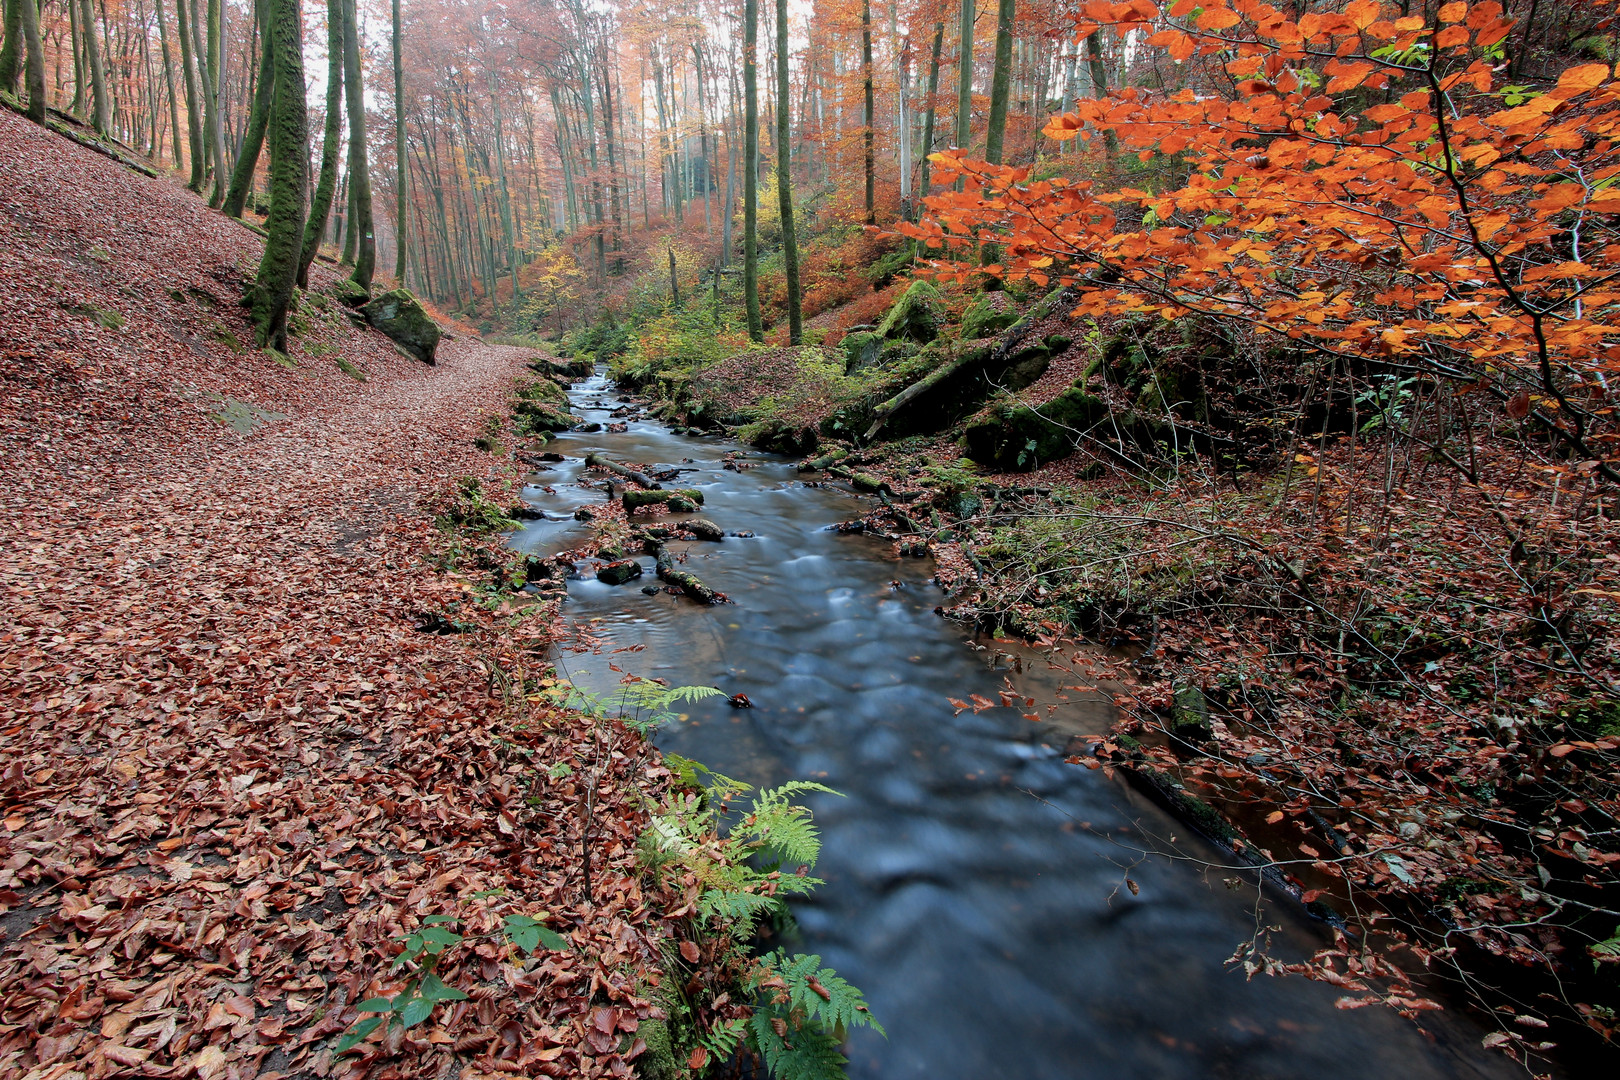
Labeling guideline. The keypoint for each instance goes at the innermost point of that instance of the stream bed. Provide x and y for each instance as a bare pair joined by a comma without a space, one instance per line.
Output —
976,883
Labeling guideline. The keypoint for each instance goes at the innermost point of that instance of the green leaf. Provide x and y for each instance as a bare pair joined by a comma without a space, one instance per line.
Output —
377,1004
434,989
416,1010
357,1033
441,936
436,920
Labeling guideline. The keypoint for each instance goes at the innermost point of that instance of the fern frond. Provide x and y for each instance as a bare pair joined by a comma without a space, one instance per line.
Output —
843,1005
806,1053
722,1040
744,907
1605,952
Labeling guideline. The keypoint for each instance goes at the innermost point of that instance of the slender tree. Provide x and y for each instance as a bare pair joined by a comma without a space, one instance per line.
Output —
331,142
924,183
869,113
964,86
750,175
101,116
401,171
168,78
214,99
273,288
183,12
784,177
365,258
35,49
1000,82
247,158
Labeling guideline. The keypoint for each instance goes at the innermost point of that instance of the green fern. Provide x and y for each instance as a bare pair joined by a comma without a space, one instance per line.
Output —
802,1053
722,1041
1605,952
836,1005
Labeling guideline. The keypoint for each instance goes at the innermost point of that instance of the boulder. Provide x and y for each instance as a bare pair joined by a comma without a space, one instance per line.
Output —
703,529
351,293
536,416
617,573
689,499
1019,438
917,315
861,351
989,315
397,314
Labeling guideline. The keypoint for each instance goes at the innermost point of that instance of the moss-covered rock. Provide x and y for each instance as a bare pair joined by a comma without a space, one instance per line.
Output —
1019,438
861,351
538,416
351,292
989,315
688,498
397,314
917,315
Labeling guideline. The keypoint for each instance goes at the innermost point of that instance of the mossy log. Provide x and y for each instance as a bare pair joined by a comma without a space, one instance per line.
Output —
690,584
681,502
597,461
860,481
832,457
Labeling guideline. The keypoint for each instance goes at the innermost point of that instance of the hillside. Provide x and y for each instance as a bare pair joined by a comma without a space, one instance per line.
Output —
235,768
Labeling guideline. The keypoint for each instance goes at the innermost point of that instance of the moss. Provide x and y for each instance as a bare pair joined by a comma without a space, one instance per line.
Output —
398,315
988,315
918,314
1020,438
861,350
102,317
537,416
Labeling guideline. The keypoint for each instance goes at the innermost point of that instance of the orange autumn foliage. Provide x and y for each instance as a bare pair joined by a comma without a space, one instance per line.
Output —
1363,186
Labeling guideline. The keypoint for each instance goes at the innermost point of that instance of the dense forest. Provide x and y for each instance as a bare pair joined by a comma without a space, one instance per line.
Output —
1252,362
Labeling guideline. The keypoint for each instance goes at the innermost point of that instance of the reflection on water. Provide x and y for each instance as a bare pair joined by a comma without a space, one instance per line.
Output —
974,881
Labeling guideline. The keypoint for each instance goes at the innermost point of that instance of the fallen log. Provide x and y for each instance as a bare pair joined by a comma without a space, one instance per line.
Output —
690,584
597,461
832,457
683,501
860,481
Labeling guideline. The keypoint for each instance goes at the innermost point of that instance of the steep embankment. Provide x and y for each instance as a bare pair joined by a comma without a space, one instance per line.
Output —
232,768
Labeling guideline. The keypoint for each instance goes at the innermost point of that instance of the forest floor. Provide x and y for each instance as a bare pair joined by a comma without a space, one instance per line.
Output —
232,767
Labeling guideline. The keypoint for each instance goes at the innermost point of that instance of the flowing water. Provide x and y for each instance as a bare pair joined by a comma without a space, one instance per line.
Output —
975,882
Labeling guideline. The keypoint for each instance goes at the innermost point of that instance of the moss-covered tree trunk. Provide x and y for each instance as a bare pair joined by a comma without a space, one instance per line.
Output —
365,256
964,87
1099,82
101,115
35,49
784,176
11,50
331,142
247,159
756,331
194,129
288,135
401,162
1000,82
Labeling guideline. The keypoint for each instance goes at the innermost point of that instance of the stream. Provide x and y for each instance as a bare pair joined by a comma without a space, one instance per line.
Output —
976,884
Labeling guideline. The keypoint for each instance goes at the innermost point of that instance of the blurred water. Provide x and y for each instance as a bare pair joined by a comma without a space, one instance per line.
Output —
974,880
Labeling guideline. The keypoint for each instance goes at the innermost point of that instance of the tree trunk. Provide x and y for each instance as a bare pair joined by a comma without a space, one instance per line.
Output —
247,159
168,78
869,110
194,129
101,117
365,258
215,99
964,88
784,177
11,51
401,170
288,136
924,183
1099,82
35,49
331,142
751,170
1000,82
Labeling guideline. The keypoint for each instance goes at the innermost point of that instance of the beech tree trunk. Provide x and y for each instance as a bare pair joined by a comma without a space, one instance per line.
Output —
214,99
101,115
869,111
288,136
11,50
35,49
784,176
194,127
247,159
924,182
331,142
1000,82
751,170
168,78
365,257
401,170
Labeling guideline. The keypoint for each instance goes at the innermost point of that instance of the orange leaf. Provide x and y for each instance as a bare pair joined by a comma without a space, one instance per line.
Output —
1274,817
1218,18
1453,12
1578,80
